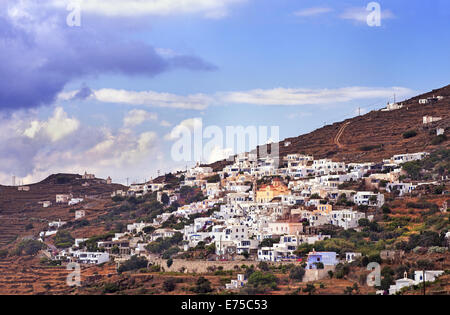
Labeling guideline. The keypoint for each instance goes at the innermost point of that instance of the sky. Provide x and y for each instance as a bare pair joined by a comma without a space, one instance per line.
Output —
108,86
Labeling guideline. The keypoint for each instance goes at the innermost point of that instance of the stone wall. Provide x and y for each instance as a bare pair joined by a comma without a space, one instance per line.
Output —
201,266
317,274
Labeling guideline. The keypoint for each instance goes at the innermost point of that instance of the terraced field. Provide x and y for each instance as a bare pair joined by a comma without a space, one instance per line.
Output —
27,276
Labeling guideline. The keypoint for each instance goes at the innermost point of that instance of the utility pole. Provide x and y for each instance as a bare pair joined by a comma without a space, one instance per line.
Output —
424,293
127,181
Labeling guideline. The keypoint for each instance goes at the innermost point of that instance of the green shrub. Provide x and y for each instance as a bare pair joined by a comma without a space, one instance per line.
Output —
169,285
134,263
438,139
64,239
28,247
369,147
202,286
297,273
409,134
110,288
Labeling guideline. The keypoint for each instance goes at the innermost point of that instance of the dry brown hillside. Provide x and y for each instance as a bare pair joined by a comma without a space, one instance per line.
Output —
19,208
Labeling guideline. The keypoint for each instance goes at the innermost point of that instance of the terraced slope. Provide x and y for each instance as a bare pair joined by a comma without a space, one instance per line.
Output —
28,276
19,208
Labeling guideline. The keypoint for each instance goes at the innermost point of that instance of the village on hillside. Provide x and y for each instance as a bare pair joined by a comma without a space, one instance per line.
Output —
261,224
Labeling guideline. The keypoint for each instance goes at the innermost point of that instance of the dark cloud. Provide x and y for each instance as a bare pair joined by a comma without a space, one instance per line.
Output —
83,93
39,56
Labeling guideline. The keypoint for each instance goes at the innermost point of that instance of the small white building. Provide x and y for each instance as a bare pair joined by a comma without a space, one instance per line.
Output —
393,106
236,284
430,119
45,204
63,198
350,257
75,201
94,258
430,275
87,176
80,214
402,188
407,157
368,198
56,224
400,284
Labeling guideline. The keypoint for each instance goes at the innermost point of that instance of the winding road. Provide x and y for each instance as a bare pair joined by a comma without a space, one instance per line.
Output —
339,134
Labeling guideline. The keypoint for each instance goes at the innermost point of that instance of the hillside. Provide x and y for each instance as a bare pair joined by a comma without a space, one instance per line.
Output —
19,208
375,135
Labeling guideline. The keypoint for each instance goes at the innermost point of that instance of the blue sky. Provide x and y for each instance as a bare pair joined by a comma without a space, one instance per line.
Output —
288,63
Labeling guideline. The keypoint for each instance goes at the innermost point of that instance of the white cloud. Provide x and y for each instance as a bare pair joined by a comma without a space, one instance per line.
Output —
293,97
313,11
130,8
296,115
165,123
218,153
136,117
276,97
153,99
56,127
360,15
30,150
187,124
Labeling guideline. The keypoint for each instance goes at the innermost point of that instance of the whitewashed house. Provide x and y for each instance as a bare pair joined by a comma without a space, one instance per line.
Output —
368,198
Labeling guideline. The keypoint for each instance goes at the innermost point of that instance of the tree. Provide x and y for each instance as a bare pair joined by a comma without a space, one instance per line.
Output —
349,290
363,222
169,262
373,199
29,226
213,179
134,263
165,199
202,286
64,239
385,209
319,265
263,266
148,229
297,273
260,282
28,247
310,289
330,274
268,242
409,134
169,285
